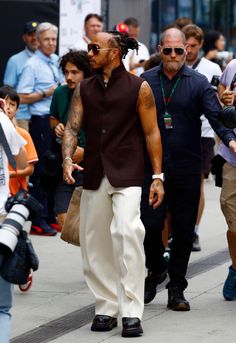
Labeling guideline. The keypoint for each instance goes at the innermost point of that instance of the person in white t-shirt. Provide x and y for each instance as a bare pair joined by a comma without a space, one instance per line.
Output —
194,40
16,143
136,60
93,23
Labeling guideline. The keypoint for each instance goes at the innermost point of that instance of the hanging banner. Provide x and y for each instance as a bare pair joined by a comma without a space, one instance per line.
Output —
72,15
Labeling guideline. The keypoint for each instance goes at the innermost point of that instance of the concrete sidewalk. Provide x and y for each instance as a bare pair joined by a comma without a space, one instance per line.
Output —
59,289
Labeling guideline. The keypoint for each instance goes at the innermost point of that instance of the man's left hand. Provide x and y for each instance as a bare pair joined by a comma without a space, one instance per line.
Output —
156,193
232,146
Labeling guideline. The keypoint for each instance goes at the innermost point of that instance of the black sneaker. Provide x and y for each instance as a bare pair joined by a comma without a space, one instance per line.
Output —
152,280
176,300
196,244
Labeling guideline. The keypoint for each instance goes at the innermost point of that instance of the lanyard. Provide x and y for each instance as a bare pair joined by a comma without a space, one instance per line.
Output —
167,100
167,116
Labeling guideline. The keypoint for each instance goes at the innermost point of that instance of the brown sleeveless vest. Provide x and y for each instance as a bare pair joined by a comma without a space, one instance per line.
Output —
114,136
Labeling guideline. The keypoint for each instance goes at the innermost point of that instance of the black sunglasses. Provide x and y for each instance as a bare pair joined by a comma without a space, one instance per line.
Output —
168,51
95,48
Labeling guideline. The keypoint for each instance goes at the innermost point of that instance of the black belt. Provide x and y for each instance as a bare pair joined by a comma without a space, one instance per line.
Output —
34,116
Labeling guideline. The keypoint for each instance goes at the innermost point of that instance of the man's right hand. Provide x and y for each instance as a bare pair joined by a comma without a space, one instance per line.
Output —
228,97
68,168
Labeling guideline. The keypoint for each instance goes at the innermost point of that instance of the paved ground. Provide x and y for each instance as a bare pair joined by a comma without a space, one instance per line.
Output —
59,306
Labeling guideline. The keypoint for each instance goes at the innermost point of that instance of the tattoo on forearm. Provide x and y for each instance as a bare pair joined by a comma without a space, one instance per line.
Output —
73,125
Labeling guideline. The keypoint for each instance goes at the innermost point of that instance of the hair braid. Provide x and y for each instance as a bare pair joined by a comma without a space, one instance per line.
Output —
124,42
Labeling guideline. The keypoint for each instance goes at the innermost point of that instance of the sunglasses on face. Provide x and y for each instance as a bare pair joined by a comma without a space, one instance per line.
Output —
168,51
95,48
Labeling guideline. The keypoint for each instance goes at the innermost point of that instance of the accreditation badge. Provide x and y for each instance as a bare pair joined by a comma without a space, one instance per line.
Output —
168,120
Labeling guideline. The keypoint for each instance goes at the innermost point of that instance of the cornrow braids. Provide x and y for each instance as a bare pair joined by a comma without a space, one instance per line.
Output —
124,42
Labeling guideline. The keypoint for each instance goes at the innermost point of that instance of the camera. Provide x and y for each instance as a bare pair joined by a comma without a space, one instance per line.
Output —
20,207
228,117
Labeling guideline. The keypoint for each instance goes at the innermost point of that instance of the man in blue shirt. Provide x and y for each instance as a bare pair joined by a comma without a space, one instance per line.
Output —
181,95
40,77
15,66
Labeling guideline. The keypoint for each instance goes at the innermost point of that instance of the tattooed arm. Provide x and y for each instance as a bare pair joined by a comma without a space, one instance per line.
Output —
70,138
148,117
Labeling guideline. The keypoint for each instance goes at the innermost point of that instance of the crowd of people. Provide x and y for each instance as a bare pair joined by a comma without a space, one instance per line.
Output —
141,147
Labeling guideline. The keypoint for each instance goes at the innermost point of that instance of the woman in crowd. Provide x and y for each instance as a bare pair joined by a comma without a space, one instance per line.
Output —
214,48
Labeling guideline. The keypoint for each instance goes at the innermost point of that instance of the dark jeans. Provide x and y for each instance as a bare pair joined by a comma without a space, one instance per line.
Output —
182,194
41,134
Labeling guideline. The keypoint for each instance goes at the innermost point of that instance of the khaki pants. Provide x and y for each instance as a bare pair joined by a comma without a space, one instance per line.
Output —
228,196
112,235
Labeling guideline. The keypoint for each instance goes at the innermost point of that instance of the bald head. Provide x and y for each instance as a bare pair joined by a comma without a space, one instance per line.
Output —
172,51
173,34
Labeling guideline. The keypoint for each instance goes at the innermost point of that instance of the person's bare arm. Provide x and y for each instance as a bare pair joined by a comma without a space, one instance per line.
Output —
28,171
21,159
227,97
36,96
148,117
70,137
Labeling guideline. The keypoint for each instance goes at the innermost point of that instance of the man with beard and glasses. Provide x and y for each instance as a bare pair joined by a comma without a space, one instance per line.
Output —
116,126
181,95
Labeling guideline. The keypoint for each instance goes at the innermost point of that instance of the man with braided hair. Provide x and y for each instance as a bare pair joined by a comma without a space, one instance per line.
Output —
121,117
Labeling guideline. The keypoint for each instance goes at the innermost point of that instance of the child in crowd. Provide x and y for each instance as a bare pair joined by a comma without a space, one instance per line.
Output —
18,179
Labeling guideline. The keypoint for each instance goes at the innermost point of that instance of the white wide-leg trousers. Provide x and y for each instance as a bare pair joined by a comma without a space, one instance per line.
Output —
112,234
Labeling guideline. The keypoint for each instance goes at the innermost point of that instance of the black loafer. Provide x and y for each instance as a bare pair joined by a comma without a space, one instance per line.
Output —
103,323
131,327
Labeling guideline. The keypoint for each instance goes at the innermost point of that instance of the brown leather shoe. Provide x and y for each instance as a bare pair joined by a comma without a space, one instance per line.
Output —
131,327
176,300
103,323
